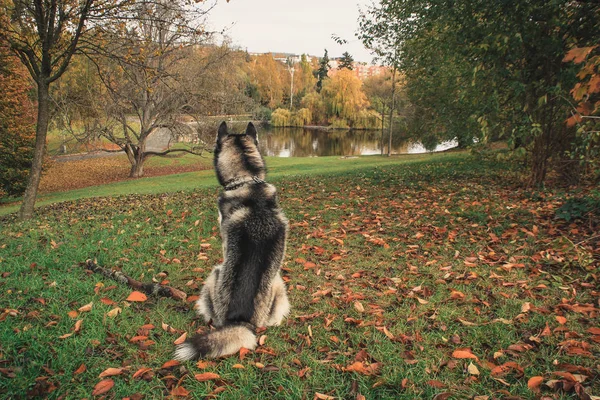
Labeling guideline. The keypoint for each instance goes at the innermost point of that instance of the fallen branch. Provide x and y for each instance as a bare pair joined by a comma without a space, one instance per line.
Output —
153,289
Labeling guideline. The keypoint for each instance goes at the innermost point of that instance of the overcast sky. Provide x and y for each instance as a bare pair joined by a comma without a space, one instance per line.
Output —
300,26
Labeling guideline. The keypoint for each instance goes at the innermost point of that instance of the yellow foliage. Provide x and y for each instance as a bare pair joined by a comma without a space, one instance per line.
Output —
345,97
281,117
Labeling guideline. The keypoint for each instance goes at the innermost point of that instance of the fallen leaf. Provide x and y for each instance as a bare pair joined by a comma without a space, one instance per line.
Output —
321,396
137,296
82,368
114,312
359,307
111,372
472,368
180,339
561,320
73,314
534,383
103,386
86,308
179,391
170,364
140,372
206,376
464,353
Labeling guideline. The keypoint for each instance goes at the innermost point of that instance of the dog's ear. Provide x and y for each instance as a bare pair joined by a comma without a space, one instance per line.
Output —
222,132
251,131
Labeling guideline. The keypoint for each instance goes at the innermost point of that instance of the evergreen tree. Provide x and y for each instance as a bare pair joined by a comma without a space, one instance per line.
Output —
346,61
321,73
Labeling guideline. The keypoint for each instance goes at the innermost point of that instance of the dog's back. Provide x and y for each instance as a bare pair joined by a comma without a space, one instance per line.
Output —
246,290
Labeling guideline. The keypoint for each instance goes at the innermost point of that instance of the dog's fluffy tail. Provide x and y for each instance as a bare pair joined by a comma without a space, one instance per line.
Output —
223,341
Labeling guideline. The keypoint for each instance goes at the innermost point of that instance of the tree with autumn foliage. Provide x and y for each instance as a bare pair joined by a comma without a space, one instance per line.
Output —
501,60
344,97
17,125
45,35
270,79
585,114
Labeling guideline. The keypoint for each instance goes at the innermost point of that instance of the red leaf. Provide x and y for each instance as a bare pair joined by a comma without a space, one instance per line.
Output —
137,296
103,387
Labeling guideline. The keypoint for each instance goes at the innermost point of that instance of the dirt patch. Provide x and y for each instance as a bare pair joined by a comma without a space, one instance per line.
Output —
70,175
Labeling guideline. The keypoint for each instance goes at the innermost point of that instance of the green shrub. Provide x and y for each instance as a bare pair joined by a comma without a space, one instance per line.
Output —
262,113
579,207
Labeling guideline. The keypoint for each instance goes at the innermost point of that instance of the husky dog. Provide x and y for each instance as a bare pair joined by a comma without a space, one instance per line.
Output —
245,291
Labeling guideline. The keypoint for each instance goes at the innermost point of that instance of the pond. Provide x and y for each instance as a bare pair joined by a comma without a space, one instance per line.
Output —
307,142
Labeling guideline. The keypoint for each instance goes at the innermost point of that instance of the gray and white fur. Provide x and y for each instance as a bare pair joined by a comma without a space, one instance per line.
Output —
246,291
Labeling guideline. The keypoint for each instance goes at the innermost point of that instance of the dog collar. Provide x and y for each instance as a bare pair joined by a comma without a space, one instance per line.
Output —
239,182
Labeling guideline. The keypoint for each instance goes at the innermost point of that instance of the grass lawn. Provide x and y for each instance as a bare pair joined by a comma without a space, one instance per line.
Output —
410,277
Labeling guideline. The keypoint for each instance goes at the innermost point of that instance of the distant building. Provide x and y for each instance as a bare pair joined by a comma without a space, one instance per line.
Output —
361,70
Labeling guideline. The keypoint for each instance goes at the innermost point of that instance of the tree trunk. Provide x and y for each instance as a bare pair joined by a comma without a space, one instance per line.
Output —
41,131
382,128
136,158
539,161
392,110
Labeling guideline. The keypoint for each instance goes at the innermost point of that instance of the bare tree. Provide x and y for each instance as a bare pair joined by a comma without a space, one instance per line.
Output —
142,67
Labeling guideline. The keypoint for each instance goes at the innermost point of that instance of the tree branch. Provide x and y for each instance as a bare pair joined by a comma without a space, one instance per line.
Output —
151,288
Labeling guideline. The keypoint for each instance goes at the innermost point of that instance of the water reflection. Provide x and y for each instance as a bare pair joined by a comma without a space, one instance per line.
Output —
305,142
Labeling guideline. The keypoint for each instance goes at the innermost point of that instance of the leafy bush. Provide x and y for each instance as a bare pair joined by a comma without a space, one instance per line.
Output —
301,117
262,113
579,207
281,117
367,119
338,123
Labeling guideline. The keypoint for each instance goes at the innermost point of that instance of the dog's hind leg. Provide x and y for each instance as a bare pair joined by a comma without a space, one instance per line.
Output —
280,307
205,305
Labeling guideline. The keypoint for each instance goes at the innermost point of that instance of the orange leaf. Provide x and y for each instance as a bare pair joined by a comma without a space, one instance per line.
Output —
137,296
73,314
206,376
80,370
578,54
108,301
180,391
103,387
561,320
534,383
140,372
170,364
78,325
243,352
181,338
464,353
111,372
